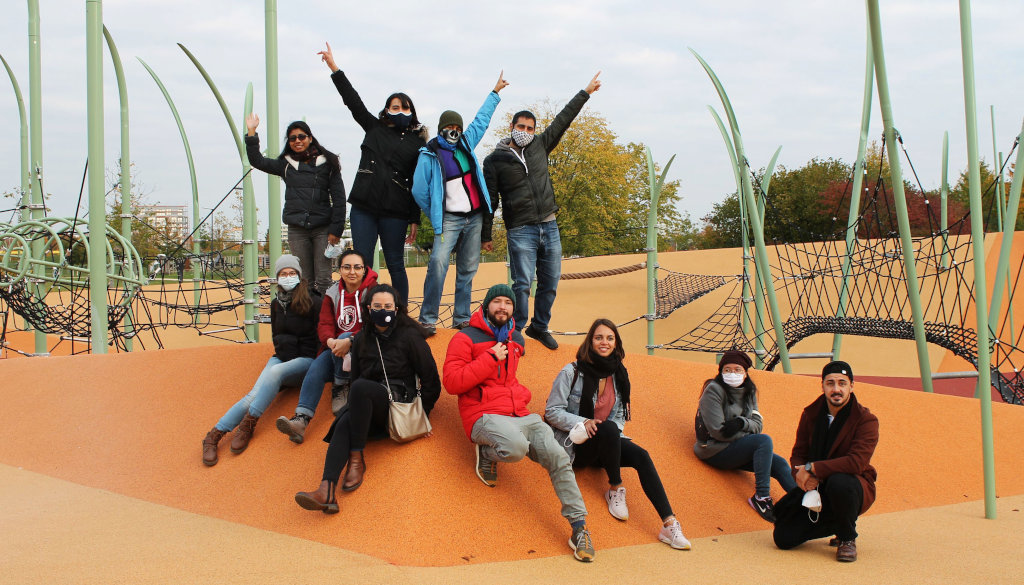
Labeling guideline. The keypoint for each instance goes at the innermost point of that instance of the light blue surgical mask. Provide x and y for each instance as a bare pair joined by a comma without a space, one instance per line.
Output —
288,282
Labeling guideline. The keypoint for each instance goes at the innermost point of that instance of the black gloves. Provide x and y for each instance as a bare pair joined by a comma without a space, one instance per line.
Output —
732,426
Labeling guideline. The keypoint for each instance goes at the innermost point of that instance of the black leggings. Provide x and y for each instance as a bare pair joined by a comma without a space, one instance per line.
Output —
608,449
367,406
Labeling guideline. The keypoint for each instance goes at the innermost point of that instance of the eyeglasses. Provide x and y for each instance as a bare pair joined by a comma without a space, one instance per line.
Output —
295,137
351,268
387,307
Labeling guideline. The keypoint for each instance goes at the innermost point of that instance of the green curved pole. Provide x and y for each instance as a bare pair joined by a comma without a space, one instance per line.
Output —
978,246
759,308
902,217
656,184
35,116
944,200
859,170
997,170
125,181
273,132
25,169
249,240
196,276
97,192
251,330
1009,226
761,257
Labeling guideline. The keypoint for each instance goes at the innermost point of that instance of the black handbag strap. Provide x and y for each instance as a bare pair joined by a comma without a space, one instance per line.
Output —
382,367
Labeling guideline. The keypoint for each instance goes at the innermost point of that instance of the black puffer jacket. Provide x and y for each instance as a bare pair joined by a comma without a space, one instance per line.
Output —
294,334
406,356
526,193
314,195
383,182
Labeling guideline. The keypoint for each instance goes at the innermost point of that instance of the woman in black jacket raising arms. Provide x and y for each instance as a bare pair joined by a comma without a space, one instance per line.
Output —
381,197
314,196
388,352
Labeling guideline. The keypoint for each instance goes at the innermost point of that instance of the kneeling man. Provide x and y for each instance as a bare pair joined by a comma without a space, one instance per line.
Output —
831,463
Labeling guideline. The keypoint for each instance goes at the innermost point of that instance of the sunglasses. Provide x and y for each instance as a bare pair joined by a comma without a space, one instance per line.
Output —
295,137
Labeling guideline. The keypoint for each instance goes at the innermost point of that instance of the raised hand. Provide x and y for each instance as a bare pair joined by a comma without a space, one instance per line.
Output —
252,122
328,57
502,84
594,85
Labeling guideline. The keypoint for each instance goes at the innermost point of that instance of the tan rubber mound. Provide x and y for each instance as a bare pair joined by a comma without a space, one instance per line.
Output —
132,424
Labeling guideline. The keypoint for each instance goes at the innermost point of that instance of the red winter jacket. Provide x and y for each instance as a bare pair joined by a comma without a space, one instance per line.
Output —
340,311
483,384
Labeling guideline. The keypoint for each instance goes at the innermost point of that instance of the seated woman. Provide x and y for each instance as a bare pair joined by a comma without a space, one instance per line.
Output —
729,431
390,353
340,319
293,321
594,391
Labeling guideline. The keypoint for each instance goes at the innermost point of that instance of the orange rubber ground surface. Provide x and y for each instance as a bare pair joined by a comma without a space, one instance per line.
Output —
132,424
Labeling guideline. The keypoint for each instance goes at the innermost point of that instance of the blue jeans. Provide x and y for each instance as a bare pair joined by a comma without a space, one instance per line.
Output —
366,228
274,375
464,232
754,453
325,368
535,247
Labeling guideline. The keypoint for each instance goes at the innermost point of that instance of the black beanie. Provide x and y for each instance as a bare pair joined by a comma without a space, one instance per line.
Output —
837,367
735,356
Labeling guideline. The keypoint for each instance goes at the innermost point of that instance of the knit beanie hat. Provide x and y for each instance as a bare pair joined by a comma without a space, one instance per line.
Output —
287,261
735,356
837,367
499,290
449,117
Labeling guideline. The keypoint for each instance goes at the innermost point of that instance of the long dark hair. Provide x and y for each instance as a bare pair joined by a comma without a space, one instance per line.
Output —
406,101
583,353
314,145
749,388
302,302
401,308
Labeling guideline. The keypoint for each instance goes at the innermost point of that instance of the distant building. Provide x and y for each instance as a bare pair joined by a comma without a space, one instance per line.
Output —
172,220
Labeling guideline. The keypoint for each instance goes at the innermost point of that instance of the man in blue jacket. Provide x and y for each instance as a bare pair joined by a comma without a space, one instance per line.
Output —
517,173
449,187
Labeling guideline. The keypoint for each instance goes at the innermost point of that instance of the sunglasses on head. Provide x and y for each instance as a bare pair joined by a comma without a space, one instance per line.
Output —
295,137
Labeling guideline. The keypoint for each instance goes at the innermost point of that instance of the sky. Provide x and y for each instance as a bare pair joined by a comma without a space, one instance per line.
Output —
794,72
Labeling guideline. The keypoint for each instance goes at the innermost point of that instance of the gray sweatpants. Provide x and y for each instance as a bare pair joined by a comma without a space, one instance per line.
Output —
510,438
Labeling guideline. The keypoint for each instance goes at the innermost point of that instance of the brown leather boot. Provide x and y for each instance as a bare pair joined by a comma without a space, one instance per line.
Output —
356,469
322,499
210,446
243,433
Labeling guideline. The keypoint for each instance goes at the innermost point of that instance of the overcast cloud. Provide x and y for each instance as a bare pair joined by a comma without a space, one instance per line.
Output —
793,70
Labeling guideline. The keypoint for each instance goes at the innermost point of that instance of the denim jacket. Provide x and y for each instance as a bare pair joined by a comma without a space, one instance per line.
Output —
563,407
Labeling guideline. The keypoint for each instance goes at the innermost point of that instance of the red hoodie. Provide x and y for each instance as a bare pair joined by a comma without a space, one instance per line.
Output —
483,384
340,311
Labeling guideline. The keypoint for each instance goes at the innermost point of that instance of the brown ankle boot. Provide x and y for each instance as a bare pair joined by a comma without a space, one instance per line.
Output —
210,446
356,469
243,433
322,499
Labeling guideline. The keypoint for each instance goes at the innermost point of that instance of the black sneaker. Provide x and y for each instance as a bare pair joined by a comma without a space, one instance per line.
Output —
582,545
460,326
486,469
764,507
542,336
429,330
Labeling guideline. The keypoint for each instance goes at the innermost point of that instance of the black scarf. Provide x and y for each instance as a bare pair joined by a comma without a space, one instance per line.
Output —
825,434
306,156
596,370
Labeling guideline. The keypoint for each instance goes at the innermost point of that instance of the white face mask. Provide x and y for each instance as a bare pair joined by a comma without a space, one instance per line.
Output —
288,282
734,380
334,251
522,139
577,434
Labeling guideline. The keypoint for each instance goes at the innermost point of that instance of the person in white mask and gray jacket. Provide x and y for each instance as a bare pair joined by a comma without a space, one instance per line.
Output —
729,436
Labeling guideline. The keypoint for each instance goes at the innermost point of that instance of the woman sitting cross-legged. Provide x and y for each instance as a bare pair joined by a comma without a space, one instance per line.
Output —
293,320
594,392
729,433
390,353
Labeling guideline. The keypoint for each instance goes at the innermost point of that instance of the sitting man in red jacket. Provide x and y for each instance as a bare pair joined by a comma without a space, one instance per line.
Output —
480,368
831,459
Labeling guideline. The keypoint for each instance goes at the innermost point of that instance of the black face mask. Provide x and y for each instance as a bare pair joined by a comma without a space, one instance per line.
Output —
383,317
400,120
451,136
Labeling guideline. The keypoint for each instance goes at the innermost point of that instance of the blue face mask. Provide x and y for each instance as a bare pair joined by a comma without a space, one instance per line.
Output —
288,282
400,120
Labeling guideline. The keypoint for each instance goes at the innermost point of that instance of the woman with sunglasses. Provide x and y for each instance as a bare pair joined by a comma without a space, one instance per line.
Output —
381,196
387,357
314,195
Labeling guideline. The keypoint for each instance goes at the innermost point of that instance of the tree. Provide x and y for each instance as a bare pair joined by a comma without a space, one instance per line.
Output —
960,191
722,225
149,238
796,211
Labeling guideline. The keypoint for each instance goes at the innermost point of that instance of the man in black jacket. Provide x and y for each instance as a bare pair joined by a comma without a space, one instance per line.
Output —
517,173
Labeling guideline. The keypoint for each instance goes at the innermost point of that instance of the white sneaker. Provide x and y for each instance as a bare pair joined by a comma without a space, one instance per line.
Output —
617,503
672,535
